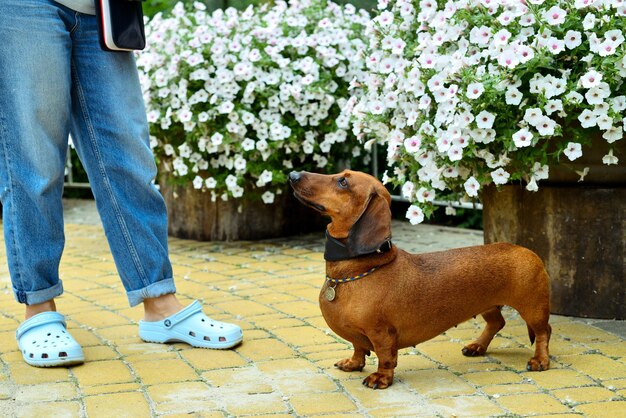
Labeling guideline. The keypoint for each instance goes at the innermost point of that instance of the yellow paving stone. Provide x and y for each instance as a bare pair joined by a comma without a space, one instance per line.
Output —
603,409
244,308
292,364
559,378
100,319
255,334
578,331
271,324
484,366
10,344
410,410
493,378
329,355
320,323
47,409
531,403
436,383
306,335
99,352
253,404
188,397
23,374
102,373
47,392
616,383
121,334
203,414
164,371
134,351
269,266
584,394
119,405
307,349
446,352
113,388
397,395
467,406
596,366
274,297
248,380
301,309
509,389
212,359
612,349
265,349
321,403
290,382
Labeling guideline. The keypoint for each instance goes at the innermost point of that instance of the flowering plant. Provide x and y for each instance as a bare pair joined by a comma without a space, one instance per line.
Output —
474,92
237,99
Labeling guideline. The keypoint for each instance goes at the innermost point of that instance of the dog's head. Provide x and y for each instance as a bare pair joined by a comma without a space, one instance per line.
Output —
358,205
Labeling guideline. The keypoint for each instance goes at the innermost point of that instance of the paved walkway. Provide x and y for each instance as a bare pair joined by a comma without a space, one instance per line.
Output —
285,365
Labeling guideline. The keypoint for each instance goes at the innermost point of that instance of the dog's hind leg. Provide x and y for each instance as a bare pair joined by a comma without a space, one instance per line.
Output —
356,363
537,321
495,322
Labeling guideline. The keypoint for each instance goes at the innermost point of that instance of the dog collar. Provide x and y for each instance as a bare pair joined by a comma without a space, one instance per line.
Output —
335,250
350,279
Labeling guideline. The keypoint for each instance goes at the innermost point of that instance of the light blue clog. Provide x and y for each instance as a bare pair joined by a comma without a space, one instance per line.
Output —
44,341
193,327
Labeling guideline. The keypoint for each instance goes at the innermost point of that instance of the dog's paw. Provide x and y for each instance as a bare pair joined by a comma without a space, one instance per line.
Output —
349,365
538,364
378,381
473,350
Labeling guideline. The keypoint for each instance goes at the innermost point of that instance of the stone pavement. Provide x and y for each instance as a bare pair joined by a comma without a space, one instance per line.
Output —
285,365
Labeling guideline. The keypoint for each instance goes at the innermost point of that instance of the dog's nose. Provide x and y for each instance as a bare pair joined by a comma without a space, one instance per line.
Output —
295,177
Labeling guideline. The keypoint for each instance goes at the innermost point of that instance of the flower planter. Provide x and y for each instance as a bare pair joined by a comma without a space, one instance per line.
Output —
193,215
579,233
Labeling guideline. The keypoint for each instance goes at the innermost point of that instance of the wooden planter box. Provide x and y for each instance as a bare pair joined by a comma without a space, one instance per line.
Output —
578,231
193,215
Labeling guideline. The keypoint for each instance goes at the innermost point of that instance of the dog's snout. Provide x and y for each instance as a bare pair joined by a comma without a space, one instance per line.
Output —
295,176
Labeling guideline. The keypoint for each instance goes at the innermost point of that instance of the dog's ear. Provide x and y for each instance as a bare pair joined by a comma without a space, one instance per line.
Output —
373,228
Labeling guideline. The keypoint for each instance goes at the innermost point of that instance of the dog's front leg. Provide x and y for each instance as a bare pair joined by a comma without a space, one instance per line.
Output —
386,348
356,363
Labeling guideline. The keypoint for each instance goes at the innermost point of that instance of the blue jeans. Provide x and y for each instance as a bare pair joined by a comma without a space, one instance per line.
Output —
55,80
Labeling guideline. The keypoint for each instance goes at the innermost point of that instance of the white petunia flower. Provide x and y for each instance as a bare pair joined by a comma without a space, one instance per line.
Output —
573,151
590,79
415,215
609,158
522,138
500,176
484,120
268,197
471,187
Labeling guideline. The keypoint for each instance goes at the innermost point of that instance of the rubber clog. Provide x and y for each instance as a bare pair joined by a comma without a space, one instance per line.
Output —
44,341
193,327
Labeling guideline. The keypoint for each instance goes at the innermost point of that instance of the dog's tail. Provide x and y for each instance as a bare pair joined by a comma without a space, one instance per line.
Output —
531,334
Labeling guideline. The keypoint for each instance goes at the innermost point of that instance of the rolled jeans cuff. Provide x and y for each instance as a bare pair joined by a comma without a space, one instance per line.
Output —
38,296
160,288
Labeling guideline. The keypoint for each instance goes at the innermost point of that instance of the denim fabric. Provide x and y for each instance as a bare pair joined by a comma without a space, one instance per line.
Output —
55,80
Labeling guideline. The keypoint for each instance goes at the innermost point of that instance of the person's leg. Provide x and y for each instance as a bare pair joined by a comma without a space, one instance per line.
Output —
110,132
34,123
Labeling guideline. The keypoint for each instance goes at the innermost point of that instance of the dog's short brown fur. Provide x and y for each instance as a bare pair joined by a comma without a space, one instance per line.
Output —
412,298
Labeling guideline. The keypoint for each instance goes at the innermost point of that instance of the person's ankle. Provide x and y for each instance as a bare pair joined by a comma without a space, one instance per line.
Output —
156,309
47,306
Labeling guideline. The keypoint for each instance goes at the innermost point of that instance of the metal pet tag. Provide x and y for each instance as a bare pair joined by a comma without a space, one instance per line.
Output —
330,293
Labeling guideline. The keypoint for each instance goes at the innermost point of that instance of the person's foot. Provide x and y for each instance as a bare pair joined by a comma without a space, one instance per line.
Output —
47,306
156,309
44,341
191,326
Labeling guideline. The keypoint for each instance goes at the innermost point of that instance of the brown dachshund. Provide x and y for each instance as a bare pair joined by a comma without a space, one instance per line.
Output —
381,298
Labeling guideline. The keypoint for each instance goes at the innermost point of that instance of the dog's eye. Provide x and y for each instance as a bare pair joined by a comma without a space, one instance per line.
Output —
342,182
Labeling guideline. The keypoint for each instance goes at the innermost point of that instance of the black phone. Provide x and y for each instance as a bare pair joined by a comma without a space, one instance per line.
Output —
120,25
